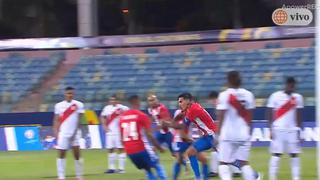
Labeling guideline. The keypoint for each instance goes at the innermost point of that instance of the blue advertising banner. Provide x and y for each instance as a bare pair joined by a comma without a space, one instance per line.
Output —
3,140
45,118
93,137
28,138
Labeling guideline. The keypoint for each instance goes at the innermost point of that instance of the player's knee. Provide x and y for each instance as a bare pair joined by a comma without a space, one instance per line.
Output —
191,151
111,150
61,154
202,158
243,163
120,150
293,155
277,154
223,163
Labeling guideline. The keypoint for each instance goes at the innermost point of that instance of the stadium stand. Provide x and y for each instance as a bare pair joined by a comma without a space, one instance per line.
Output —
168,74
19,75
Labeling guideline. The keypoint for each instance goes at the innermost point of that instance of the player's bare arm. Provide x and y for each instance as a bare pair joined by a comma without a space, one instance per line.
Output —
79,120
172,124
220,119
299,122
103,121
150,137
56,124
185,137
250,117
269,117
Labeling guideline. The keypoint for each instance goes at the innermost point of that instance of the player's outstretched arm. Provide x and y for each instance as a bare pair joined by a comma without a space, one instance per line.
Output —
150,137
172,124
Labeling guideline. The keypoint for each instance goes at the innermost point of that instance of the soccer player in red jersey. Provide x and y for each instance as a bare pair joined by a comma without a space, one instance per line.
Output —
159,112
136,133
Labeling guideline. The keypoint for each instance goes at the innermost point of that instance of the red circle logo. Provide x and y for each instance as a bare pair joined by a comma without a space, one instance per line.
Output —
280,16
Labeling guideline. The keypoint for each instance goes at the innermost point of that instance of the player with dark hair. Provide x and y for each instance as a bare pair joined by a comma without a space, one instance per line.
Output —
136,133
66,124
214,161
194,113
284,115
110,122
234,107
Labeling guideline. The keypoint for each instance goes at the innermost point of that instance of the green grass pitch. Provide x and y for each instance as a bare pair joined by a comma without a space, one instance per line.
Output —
41,165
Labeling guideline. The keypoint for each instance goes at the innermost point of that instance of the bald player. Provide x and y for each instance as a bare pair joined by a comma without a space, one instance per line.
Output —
159,112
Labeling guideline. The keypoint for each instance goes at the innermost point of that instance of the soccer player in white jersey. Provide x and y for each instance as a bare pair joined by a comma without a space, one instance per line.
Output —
66,129
284,115
234,115
110,121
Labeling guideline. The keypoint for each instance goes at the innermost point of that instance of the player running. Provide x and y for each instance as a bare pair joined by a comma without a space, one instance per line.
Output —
110,121
234,115
284,115
136,131
66,129
159,112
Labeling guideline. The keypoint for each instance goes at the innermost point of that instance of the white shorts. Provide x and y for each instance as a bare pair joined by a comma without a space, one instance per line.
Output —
229,151
65,142
113,141
284,141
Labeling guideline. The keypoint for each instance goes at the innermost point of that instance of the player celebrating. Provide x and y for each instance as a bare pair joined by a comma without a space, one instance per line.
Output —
66,129
200,117
159,113
284,115
135,128
110,120
234,111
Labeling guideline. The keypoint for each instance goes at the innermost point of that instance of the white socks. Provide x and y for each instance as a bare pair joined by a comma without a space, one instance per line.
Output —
78,164
61,168
247,173
273,167
295,168
214,162
122,160
224,172
112,160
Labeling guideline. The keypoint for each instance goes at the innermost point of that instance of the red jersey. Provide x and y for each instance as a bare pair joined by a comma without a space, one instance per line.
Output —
132,124
201,118
158,114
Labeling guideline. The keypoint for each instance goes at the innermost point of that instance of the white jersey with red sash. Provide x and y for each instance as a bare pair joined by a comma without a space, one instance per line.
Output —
237,103
158,114
112,114
68,113
284,109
